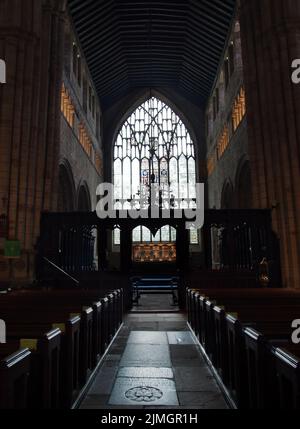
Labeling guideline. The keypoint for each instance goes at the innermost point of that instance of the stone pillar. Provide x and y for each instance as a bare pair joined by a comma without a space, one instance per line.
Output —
126,250
270,32
102,248
31,44
182,247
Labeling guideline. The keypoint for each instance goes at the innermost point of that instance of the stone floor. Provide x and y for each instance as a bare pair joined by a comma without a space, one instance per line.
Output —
155,302
154,363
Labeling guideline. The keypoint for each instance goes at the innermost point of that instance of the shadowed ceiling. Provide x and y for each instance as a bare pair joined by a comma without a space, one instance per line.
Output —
173,44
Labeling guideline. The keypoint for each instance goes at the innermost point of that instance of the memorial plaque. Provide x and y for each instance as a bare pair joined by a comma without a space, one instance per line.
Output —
144,391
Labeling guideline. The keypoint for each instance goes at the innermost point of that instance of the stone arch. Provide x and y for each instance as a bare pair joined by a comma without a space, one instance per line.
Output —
66,190
141,99
84,198
171,163
227,197
117,117
243,185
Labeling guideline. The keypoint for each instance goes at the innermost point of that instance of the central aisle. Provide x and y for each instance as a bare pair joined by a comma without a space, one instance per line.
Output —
154,363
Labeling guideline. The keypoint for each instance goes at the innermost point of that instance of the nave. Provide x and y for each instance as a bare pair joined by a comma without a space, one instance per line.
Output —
154,363
84,349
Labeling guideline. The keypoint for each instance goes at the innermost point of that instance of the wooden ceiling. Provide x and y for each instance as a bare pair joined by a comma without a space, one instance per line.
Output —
133,44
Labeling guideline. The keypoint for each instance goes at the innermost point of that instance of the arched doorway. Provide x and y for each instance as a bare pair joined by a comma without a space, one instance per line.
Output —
227,198
84,199
244,186
219,239
66,190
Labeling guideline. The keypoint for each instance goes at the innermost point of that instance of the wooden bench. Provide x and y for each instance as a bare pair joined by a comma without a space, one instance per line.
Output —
114,316
87,320
44,341
14,376
228,336
245,357
37,319
44,313
155,285
44,366
287,364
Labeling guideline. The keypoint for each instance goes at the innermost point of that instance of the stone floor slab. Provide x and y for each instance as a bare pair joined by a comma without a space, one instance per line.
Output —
104,382
146,372
144,326
194,379
145,337
153,355
203,400
180,338
113,357
92,401
154,363
171,326
188,356
143,391
100,402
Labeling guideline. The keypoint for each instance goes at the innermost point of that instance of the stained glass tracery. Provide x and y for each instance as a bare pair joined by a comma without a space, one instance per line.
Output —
154,146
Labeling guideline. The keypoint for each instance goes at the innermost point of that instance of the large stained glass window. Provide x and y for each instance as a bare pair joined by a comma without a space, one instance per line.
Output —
154,147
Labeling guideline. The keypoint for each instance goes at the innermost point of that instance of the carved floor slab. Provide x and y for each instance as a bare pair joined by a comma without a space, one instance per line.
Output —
144,391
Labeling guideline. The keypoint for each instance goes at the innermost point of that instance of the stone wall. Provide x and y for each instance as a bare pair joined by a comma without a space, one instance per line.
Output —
271,42
82,166
36,43
31,44
227,169
223,169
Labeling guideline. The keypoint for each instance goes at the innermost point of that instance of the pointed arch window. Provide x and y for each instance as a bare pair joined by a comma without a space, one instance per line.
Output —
154,142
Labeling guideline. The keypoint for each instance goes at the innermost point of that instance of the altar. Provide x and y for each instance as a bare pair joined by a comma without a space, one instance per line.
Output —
154,253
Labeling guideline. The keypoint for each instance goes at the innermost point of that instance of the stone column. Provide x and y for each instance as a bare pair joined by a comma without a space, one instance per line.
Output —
270,32
102,248
126,250
30,43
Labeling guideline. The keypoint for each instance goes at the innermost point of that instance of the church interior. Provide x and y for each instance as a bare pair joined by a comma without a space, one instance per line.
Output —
149,204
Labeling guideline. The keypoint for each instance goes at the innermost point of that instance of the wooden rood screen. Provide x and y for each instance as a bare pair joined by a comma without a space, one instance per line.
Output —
232,241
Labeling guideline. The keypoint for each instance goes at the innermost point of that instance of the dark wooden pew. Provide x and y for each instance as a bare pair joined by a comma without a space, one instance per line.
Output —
287,364
262,381
110,306
273,371
246,351
86,298
29,321
44,314
228,336
44,365
14,376
98,316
